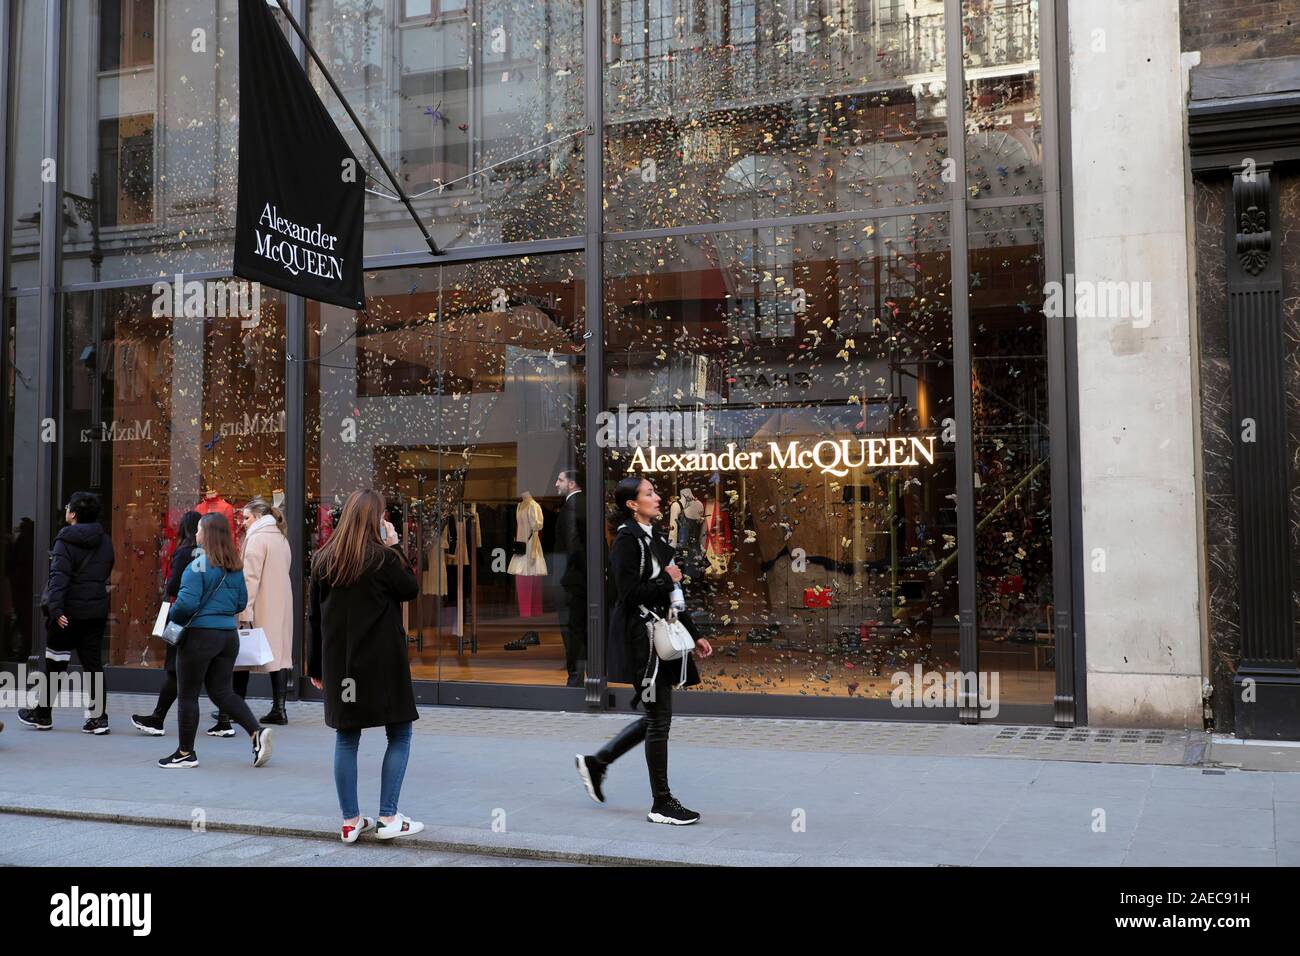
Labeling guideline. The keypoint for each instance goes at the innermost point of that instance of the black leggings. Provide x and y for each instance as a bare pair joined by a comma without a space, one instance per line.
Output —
207,658
653,729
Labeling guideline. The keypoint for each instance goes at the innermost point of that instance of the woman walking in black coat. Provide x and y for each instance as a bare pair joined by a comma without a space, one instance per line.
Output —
152,724
641,562
358,657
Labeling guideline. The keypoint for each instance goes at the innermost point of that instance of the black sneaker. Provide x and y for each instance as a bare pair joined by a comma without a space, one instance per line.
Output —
148,724
179,760
221,728
261,747
95,725
592,775
38,717
531,638
672,812
519,645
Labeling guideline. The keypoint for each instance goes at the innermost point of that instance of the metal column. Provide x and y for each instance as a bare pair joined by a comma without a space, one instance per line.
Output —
967,701
593,267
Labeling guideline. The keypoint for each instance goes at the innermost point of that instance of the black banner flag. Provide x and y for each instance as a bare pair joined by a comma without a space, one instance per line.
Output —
299,222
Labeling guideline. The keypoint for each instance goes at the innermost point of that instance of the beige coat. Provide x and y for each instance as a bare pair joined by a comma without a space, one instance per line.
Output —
270,593
528,529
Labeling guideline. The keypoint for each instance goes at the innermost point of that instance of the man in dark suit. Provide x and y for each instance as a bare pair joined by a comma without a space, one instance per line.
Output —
571,540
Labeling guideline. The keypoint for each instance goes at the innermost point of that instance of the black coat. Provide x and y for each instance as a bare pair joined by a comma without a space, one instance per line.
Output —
571,539
357,635
627,647
181,559
80,563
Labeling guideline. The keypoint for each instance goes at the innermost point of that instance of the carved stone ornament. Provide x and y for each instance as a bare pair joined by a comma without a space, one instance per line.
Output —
1254,239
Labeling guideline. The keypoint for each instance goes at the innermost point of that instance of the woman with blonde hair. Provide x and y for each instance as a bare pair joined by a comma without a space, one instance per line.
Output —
359,579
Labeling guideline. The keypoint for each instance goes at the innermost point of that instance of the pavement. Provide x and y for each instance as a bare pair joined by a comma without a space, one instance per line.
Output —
501,783
55,841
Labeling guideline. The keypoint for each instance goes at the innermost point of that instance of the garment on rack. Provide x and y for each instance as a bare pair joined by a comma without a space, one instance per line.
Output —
528,530
434,579
467,534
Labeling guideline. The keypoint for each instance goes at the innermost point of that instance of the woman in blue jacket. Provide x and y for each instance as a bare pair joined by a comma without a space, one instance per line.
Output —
212,594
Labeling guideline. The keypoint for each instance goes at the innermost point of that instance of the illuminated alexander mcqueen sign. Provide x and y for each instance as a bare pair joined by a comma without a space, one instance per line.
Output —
832,456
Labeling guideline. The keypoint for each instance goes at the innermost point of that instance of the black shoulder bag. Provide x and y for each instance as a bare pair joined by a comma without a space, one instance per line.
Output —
173,632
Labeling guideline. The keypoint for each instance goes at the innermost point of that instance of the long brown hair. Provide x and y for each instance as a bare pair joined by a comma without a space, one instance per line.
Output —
261,507
355,544
219,543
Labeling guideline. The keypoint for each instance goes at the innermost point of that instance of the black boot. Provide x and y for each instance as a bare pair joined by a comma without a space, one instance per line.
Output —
279,689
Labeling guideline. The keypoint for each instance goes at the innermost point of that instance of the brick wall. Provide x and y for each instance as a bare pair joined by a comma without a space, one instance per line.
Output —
1226,31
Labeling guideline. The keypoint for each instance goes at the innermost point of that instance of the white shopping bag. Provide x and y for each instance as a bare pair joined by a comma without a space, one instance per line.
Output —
161,622
254,651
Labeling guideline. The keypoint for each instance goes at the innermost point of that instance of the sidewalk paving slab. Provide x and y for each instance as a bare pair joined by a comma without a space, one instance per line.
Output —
472,774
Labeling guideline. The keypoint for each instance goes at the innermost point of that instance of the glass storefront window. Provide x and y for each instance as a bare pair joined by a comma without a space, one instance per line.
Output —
760,108
459,394
790,393
151,129
26,109
163,414
1012,442
1004,141
477,107
19,434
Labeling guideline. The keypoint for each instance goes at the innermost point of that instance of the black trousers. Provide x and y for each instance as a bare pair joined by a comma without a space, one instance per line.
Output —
653,729
207,659
575,629
85,636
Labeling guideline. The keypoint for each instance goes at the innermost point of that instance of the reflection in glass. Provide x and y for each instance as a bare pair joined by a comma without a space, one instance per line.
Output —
164,414
746,110
20,499
1004,143
817,576
478,108
459,395
26,109
150,134
1012,442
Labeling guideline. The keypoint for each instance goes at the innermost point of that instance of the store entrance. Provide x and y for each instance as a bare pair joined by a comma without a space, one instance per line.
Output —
485,612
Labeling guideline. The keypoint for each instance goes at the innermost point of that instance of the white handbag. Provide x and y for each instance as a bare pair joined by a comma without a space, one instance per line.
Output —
254,649
669,641
669,636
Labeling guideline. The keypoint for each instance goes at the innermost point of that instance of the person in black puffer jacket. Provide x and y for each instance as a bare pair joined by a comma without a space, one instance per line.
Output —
75,603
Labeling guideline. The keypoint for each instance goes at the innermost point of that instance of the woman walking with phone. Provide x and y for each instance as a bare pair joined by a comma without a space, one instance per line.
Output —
359,579
212,594
641,564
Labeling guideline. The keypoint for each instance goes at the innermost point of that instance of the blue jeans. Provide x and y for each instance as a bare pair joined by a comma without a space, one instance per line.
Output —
346,743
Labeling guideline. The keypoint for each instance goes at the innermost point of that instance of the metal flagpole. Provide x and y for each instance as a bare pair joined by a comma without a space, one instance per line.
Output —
401,193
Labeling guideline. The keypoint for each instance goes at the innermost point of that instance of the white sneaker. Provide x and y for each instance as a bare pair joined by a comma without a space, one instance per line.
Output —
261,747
401,826
350,833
